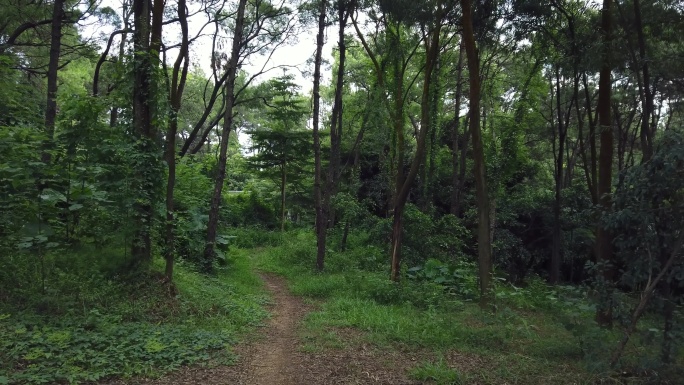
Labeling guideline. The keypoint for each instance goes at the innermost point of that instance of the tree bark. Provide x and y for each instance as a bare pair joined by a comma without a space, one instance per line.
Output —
556,254
592,176
646,134
604,239
332,181
179,78
53,68
321,219
141,249
484,247
212,226
455,136
283,184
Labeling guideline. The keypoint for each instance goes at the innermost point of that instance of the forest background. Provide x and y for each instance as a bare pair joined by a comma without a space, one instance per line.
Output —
509,172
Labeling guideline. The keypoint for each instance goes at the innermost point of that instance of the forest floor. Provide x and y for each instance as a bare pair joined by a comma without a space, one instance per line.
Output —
277,354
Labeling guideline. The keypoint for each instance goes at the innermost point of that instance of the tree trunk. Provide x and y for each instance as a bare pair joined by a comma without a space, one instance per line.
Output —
336,121
604,239
53,68
428,195
455,180
141,249
647,105
114,114
212,226
321,220
179,77
397,207
484,248
554,273
283,183
592,177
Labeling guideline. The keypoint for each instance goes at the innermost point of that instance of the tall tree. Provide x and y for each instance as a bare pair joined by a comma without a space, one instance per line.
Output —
484,248
53,67
280,145
604,240
145,63
458,140
229,92
178,78
321,220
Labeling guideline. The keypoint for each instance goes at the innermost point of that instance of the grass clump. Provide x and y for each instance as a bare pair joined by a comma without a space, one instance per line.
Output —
436,373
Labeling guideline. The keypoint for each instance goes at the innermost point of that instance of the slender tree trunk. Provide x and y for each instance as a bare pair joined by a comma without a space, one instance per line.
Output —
212,226
345,235
554,273
179,77
455,180
592,181
647,105
403,185
321,220
283,184
397,206
604,239
53,68
462,167
428,194
336,121
483,229
114,113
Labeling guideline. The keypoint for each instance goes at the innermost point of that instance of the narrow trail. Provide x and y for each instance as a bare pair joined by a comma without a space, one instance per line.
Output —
273,359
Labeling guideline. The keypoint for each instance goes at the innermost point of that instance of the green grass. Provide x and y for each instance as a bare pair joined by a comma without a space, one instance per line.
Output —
539,335
90,326
437,373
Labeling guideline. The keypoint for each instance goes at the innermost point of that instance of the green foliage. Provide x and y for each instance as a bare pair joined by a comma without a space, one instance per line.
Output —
249,208
647,216
90,327
425,237
458,277
99,347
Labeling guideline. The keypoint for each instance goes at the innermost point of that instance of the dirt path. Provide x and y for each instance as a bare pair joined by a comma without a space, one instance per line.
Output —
273,359
274,355
277,358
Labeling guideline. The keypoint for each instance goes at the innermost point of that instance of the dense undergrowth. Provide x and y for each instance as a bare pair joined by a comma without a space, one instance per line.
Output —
96,324
538,335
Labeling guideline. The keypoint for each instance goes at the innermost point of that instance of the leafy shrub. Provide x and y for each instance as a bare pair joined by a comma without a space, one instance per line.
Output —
248,209
458,277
